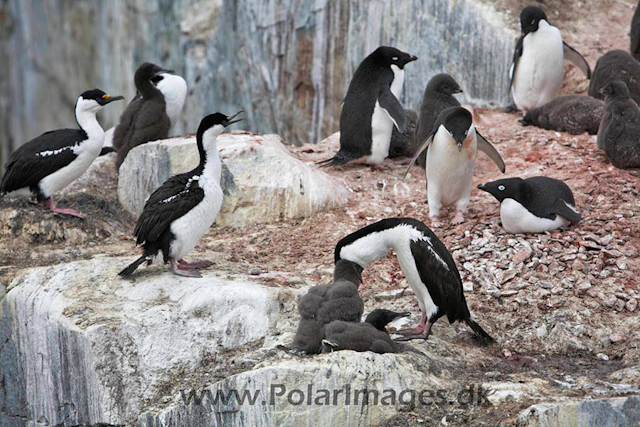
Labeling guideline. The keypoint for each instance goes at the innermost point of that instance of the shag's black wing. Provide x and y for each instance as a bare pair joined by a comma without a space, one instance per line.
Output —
40,157
439,273
517,53
177,196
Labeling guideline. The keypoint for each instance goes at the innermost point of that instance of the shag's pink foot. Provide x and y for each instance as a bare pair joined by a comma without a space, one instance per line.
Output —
193,265
49,203
183,272
420,332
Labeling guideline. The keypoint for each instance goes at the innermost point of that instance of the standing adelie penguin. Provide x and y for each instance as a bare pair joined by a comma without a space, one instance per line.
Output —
154,110
54,159
370,335
438,95
371,108
533,205
323,304
425,262
182,209
619,133
452,149
537,70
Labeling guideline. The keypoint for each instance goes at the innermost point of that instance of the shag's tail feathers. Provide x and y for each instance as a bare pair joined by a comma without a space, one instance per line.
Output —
484,337
338,159
107,150
132,267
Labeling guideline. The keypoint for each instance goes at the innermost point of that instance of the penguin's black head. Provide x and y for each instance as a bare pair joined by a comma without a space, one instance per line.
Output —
381,317
392,56
93,100
509,188
530,18
149,72
349,271
615,89
458,122
443,83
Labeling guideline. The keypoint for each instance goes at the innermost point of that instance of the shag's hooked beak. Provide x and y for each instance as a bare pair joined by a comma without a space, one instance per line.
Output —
230,120
108,98
400,314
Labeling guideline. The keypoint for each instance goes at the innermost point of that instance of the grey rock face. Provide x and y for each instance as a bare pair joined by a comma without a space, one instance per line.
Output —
616,65
263,181
288,63
574,114
615,412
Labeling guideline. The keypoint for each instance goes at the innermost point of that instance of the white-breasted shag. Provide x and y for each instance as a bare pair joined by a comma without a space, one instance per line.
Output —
182,209
425,262
53,160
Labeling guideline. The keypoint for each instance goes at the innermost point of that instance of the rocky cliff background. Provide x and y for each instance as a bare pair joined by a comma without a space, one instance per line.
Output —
287,63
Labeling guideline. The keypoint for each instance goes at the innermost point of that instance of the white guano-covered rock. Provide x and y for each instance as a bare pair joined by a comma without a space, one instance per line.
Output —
80,346
263,182
292,392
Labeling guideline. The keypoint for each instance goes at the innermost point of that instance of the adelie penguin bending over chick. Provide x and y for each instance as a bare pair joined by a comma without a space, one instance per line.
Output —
425,262
323,304
452,149
537,70
152,112
55,159
371,335
533,205
182,209
371,108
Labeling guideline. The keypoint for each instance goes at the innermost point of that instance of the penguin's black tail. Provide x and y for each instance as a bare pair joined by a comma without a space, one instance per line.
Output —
484,337
132,267
107,150
338,159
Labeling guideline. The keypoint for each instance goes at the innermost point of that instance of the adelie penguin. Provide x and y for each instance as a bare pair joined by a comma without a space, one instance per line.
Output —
371,108
537,70
370,335
425,262
53,160
182,209
154,110
452,149
533,205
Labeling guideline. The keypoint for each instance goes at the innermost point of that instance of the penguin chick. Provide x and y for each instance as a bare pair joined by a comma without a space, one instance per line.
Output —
371,108
537,70
371,335
451,156
325,303
574,114
151,114
437,96
619,132
533,205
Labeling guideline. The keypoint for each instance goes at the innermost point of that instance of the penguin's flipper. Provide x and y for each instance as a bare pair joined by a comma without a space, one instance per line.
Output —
516,58
392,106
423,147
574,56
564,209
488,149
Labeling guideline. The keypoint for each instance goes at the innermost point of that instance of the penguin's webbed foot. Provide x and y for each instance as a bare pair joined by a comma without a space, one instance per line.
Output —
458,218
175,267
49,203
379,167
421,331
194,265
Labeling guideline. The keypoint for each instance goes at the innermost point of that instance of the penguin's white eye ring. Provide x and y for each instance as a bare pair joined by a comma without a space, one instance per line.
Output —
533,22
501,187
395,58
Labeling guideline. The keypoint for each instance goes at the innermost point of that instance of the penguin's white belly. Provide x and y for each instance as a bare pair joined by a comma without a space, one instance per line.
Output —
189,228
449,171
381,128
517,219
87,153
540,70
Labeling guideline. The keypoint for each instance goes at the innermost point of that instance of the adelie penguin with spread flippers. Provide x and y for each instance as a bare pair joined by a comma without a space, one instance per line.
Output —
178,213
425,262
537,70
55,159
452,149
371,108
533,205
